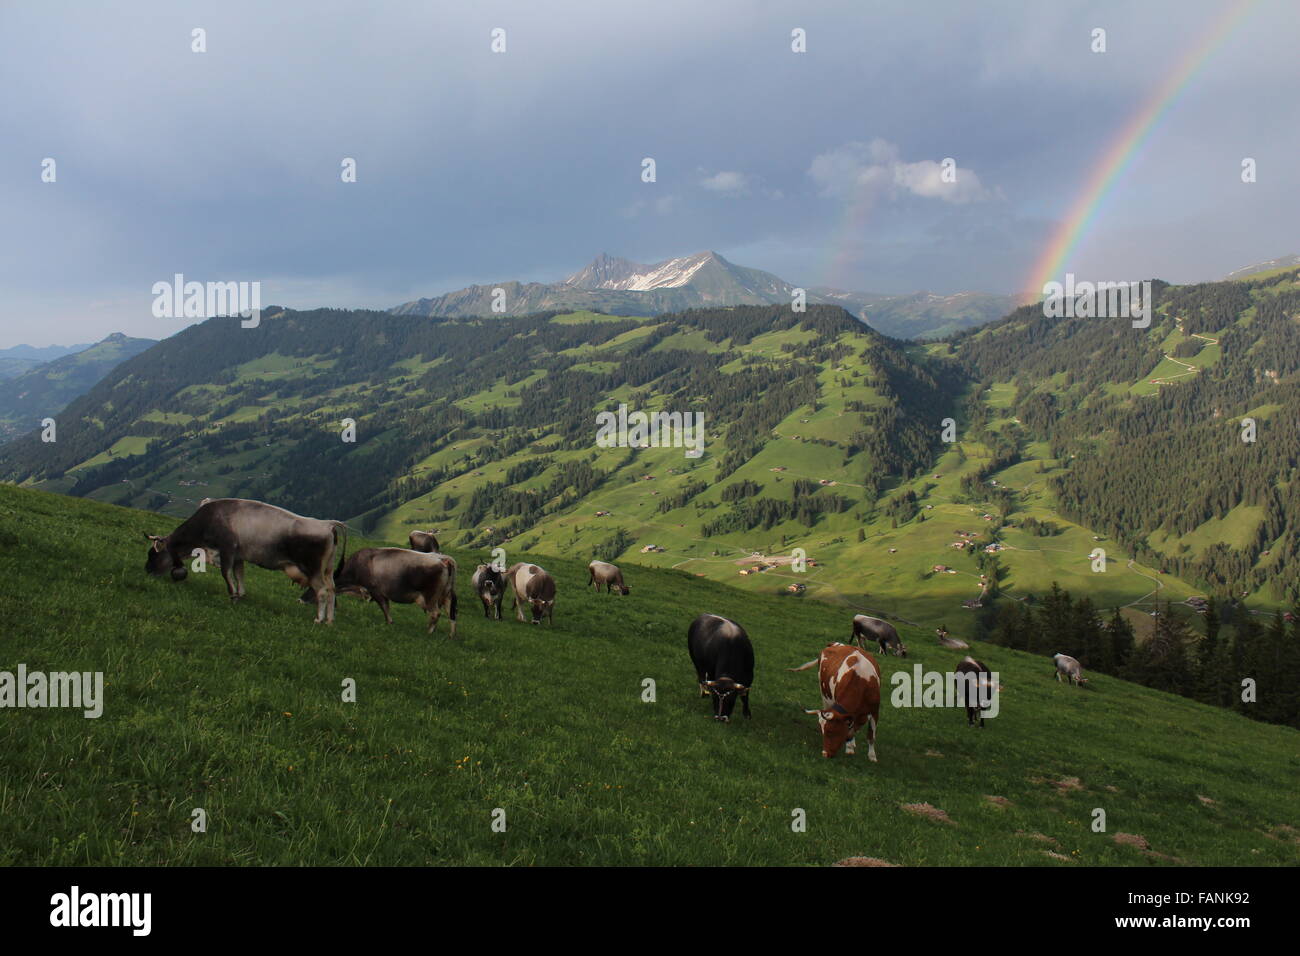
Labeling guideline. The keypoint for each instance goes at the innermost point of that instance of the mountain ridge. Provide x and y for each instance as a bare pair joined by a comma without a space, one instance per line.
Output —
619,286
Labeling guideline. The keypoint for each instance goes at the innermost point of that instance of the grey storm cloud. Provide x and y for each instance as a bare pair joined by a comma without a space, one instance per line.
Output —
474,166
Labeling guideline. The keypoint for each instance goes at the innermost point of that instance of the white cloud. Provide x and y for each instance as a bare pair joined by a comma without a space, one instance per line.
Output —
877,168
728,182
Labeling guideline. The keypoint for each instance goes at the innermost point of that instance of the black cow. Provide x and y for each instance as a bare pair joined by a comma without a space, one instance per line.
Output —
490,586
974,681
882,632
240,530
724,662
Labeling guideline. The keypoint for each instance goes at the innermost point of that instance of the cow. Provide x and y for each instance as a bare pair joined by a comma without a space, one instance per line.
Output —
974,684
424,541
1070,669
427,580
490,586
602,572
850,684
536,588
240,530
724,662
882,632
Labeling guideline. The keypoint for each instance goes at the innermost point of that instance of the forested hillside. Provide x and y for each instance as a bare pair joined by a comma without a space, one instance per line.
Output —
1150,423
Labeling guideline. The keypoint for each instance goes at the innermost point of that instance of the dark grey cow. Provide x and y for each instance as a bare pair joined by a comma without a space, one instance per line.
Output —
536,588
240,530
867,628
602,572
724,662
427,580
424,541
974,685
490,586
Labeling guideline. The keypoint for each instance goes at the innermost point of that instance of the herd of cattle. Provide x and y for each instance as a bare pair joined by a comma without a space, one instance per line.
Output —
229,531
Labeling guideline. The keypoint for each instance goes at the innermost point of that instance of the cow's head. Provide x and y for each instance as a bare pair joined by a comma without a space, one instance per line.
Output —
724,692
160,559
902,649
624,589
540,608
837,726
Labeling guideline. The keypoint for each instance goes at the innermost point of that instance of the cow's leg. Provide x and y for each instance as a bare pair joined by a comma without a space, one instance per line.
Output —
519,613
239,577
228,575
382,602
323,584
851,746
745,701
871,738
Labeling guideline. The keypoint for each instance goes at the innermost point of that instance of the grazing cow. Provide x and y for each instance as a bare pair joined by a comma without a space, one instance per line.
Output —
535,587
724,662
490,586
239,530
423,541
404,576
850,682
602,572
1069,668
975,684
882,632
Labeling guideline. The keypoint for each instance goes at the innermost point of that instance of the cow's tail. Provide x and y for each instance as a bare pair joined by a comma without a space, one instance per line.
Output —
450,565
804,667
340,527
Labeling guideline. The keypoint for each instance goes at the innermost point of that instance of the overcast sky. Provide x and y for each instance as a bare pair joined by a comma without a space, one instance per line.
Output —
474,166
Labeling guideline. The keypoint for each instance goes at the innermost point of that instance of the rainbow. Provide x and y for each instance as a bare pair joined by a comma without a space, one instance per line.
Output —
1117,157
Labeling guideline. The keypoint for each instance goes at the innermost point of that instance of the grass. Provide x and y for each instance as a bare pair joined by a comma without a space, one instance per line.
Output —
237,709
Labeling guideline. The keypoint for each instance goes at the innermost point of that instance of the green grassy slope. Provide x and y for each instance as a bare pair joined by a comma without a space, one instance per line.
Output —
237,710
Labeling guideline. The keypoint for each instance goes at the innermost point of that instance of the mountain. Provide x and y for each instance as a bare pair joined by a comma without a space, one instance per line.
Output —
1070,435
922,315
619,286
23,358
1285,262
1178,441
44,390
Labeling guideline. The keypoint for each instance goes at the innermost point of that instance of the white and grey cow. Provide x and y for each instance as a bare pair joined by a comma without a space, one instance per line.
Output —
1069,669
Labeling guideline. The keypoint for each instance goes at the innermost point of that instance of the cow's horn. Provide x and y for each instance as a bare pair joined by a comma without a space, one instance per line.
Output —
815,710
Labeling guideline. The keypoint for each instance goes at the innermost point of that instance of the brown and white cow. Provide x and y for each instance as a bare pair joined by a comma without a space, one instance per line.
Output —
490,586
427,580
424,541
240,530
1070,669
536,588
867,628
850,683
602,572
